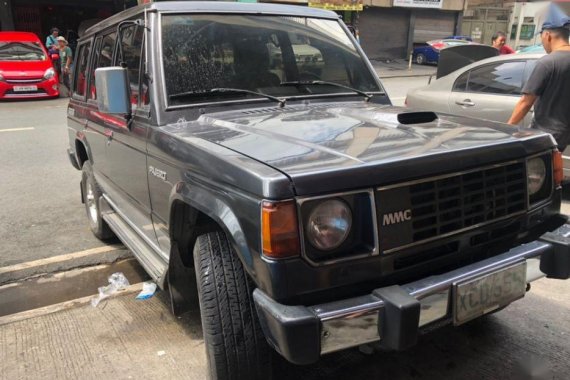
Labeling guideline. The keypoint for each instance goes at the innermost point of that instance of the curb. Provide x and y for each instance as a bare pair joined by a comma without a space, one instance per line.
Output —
95,256
135,288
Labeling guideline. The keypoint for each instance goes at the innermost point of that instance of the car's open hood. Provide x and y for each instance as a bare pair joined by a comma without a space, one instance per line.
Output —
329,147
24,69
455,57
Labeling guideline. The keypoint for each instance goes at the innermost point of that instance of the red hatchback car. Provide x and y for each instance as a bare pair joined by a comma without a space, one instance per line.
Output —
26,70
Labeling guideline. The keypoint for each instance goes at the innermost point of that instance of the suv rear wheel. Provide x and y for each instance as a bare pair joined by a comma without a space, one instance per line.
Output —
235,345
91,196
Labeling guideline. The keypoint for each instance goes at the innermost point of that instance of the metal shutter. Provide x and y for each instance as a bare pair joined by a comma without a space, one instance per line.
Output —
384,32
433,24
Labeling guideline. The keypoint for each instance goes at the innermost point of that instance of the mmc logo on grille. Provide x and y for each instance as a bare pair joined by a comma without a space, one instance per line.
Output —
396,217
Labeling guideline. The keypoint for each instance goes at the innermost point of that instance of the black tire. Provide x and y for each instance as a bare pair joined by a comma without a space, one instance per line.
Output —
235,345
91,195
421,59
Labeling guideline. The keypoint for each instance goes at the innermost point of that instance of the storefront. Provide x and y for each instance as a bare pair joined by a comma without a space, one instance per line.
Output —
389,29
70,16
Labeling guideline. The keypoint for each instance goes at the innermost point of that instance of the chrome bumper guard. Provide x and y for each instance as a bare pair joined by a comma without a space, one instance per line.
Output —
393,316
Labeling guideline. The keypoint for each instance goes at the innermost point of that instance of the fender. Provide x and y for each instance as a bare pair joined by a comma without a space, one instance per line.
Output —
212,203
181,277
80,136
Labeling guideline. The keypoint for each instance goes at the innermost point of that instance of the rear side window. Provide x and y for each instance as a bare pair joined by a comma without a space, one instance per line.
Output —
103,57
504,78
131,48
80,79
460,84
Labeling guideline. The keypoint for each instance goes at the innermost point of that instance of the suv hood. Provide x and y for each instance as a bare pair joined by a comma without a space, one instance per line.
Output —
337,146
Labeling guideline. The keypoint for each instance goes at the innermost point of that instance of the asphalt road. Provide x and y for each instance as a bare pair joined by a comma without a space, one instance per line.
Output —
41,214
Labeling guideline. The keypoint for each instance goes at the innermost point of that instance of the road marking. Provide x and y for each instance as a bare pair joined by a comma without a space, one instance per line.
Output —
17,129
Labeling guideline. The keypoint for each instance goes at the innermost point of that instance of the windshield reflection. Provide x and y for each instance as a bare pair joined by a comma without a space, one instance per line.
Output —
21,51
258,53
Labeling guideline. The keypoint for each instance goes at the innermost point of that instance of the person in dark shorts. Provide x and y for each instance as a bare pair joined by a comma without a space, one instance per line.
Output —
548,87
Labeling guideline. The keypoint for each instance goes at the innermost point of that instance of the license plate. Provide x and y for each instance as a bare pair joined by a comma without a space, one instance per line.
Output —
25,88
482,295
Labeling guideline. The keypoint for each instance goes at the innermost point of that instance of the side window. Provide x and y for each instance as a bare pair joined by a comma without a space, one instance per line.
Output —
103,58
80,79
460,84
96,48
529,68
131,47
503,78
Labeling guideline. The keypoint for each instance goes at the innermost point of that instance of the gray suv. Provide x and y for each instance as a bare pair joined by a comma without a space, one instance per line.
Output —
275,187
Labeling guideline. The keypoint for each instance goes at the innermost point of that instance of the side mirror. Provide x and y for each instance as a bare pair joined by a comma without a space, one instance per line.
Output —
113,91
54,57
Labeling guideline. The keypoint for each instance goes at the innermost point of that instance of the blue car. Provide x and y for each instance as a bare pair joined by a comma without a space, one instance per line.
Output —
429,53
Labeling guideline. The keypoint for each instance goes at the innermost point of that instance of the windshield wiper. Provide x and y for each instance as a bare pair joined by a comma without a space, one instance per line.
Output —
222,90
322,82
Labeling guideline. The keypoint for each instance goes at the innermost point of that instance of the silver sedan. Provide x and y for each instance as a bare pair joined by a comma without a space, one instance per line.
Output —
487,89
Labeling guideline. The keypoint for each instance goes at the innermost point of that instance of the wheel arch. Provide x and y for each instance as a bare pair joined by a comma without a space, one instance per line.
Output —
202,210
192,214
82,150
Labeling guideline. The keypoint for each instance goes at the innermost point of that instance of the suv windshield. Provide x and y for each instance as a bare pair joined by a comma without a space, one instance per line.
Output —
264,54
21,51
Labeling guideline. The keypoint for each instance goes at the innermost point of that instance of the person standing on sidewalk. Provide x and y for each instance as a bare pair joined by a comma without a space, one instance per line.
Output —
548,87
65,57
498,41
51,40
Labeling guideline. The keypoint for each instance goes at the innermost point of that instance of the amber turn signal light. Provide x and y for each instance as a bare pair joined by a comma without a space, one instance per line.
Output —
280,229
558,166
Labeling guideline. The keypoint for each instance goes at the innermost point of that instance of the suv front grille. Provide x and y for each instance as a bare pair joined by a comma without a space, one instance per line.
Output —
450,204
432,208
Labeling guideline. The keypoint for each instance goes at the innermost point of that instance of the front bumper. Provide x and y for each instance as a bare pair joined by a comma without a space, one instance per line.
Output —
47,88
395,315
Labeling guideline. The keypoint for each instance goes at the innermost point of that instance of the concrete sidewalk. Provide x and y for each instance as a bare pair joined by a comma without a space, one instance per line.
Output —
399,69
121,339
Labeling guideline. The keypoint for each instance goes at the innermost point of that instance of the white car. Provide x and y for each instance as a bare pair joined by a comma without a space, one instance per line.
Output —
487,89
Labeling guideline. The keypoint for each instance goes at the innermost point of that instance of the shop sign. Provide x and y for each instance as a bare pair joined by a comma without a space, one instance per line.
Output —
337,5
418,3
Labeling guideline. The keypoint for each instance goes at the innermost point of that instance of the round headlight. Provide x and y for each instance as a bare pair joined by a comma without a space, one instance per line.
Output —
536,175
329,224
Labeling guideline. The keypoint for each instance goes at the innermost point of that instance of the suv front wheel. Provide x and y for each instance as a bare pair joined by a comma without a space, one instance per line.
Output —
235,345
91,196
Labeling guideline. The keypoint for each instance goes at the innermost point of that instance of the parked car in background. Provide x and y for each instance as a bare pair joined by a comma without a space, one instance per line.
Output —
429,53
26,70
466,38
533,49
487,89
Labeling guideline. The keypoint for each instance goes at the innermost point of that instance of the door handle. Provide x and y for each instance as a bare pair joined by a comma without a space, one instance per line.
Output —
465,103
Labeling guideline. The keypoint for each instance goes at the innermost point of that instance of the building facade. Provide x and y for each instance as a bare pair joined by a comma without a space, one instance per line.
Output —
388,29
